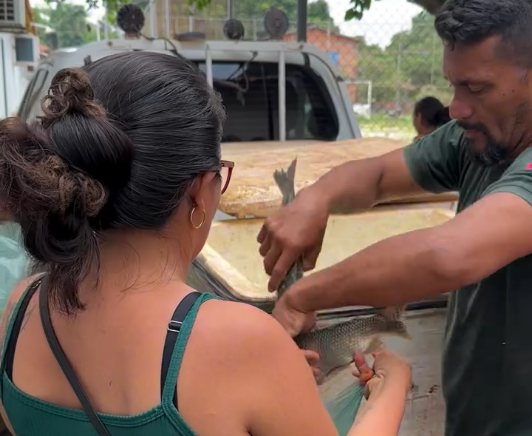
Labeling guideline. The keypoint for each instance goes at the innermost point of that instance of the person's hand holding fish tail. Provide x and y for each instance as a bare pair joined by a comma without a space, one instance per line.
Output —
293,321
293,233
387,366
335,344
332,348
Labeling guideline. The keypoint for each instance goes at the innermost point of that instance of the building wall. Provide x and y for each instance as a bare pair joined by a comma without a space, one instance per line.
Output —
342,50
13,80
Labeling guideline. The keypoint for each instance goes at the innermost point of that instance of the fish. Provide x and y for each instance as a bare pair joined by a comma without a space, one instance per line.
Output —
285,181
336,344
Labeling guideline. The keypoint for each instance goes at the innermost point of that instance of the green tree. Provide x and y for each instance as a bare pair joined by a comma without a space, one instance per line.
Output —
409,67
356,11
379,67
318,11
358,7
64,25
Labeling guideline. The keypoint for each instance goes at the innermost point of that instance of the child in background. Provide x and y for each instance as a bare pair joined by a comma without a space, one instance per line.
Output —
429,115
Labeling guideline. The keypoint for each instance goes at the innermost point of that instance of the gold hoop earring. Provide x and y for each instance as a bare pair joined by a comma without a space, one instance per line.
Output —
203,218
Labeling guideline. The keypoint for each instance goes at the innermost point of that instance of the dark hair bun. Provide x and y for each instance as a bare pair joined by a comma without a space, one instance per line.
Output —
81,132
37,180
70,92
58,178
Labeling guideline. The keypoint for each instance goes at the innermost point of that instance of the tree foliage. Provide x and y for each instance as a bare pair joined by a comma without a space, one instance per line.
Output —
356,10
408,68
358,7
62,25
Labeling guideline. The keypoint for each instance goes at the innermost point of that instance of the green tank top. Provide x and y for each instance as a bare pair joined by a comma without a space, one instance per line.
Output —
30,416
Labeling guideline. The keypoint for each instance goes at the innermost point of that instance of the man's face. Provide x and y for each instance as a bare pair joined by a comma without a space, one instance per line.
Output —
492,100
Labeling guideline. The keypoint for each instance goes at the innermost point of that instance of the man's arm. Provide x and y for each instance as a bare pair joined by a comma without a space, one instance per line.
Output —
479,241
358,185
297,230
429,165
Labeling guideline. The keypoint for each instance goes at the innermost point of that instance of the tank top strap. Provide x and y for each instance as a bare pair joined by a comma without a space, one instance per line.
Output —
167,400
13,328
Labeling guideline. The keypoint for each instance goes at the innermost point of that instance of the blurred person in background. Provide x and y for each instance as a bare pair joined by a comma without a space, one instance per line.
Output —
429,115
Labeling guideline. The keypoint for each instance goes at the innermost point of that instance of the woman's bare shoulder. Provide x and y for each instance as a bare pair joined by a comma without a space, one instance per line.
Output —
242,336
230,321
240,349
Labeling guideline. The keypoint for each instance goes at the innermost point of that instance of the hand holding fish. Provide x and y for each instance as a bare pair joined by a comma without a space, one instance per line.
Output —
293,320
294,231
313,360
387,366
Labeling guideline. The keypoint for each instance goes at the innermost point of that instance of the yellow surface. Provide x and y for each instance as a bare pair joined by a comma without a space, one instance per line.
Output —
253,192
231,253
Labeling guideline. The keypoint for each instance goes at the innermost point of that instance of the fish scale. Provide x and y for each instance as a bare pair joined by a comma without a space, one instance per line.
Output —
337,344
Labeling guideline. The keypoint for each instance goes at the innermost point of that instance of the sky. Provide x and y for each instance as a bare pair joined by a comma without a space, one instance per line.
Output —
379,24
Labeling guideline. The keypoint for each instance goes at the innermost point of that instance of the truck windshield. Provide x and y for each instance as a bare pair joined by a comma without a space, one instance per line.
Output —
250,93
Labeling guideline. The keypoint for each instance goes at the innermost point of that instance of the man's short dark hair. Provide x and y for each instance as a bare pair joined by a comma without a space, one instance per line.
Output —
468,22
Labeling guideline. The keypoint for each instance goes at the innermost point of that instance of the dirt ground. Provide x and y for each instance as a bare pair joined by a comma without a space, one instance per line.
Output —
425,411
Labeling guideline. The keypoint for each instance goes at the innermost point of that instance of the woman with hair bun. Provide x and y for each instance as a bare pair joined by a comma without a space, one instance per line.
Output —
115,189
429,115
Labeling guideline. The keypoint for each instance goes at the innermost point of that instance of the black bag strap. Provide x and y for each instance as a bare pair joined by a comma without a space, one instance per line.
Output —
63,362
174,327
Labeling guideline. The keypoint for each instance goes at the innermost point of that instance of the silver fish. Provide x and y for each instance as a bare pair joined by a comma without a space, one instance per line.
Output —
337,343
285,180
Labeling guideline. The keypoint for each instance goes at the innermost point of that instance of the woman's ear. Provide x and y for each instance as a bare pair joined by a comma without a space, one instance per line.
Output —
200,187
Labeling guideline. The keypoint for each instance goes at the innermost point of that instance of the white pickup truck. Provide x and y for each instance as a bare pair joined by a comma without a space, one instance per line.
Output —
267,84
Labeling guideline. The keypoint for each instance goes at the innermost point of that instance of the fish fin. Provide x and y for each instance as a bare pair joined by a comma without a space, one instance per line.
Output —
320,378
399,329
375,345
394,321
394,313
285,180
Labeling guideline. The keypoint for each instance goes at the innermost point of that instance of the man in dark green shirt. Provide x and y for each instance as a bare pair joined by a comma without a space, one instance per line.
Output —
485,251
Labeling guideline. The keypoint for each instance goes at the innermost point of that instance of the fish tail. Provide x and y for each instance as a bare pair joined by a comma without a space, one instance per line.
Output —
285,180
393,317
394,313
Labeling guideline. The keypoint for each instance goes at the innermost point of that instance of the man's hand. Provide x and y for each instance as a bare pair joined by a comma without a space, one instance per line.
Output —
293,320
294,231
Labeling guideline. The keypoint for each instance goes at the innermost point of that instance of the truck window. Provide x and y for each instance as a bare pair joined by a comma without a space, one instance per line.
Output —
250,93
34,92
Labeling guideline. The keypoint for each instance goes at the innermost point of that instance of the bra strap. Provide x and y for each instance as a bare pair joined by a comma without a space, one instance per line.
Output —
63,362
173,329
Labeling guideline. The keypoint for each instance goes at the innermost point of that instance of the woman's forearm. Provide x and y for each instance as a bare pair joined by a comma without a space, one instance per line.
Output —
383,412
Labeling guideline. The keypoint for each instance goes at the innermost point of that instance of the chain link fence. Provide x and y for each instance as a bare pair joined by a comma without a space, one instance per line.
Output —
389,63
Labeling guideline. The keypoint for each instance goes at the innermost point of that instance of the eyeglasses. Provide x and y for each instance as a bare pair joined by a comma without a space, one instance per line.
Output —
226,170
